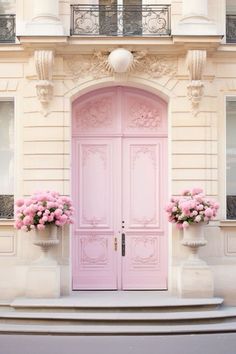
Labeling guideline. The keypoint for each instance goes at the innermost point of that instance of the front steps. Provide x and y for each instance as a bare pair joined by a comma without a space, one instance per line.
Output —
114,313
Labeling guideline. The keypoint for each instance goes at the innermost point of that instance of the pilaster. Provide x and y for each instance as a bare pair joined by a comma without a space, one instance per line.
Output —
45,20
195,20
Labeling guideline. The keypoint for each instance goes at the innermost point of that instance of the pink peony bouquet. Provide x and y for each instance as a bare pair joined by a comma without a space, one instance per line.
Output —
190,208
42,209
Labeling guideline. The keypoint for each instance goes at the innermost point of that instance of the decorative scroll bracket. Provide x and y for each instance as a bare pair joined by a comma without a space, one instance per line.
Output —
196,60
44,65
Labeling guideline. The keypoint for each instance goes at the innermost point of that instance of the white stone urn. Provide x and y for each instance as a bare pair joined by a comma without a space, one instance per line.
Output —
46,239
193,238
195,276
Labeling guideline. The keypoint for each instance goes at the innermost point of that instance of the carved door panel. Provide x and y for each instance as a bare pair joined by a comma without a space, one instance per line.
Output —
94,256
144,261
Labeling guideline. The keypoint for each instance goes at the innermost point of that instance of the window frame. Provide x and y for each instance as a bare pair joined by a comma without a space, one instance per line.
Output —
12,99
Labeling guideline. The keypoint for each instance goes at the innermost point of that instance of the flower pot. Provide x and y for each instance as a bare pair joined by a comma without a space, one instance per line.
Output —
194,238
46,239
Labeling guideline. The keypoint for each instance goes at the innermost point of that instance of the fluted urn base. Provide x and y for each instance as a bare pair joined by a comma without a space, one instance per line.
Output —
43,279
195,276
46,239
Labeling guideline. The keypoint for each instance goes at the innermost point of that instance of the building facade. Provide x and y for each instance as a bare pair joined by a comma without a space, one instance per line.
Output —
119,140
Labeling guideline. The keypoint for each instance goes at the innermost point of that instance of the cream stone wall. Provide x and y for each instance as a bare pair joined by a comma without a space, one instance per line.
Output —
43,135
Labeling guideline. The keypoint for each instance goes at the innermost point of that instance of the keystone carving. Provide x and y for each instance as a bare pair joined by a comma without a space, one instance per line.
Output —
196,60
44,65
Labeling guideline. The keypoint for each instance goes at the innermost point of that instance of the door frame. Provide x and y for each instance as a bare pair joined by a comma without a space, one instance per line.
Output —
166,96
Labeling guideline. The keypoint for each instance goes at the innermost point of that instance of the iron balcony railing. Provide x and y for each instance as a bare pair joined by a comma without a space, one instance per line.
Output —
120,20
231,28
6,206
7,29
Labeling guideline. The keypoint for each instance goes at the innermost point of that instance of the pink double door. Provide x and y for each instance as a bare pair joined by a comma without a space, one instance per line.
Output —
120,190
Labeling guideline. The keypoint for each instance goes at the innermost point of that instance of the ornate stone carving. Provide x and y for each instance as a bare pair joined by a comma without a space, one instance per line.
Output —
95,115
44,65
154,66
196,60
195,93
143,116
83,66
97,65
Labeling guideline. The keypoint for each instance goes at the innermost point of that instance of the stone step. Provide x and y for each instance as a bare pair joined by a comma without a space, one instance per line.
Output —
116,313
138,316
116,302
114,329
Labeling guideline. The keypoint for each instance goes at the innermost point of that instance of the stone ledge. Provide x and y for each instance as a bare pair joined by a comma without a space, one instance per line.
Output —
227,223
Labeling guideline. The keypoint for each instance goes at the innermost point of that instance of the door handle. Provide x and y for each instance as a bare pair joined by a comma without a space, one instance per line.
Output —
123,245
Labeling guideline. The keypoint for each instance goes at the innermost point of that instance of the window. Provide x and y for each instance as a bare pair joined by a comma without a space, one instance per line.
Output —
231,157
120,16
6,159
230,21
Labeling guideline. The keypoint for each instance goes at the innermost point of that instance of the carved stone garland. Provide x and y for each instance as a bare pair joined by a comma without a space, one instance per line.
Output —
44,64
196,60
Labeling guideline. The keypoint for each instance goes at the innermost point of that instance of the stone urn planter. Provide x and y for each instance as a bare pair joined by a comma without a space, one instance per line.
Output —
46,239
193,238
191,211
42,215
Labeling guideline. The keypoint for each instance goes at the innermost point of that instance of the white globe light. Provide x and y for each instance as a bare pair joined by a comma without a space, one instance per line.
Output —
120,60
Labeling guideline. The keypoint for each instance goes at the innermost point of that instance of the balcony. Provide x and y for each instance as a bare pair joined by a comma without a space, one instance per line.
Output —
7,29
120,20
230,28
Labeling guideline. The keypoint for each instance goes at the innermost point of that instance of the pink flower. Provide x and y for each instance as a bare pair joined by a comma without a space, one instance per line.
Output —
191,207
20,202
198,218
27,220
58,212
41,208
208,212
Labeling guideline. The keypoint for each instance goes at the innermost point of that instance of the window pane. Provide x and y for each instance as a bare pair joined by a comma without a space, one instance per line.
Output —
6,158
132,21
108,17
231,157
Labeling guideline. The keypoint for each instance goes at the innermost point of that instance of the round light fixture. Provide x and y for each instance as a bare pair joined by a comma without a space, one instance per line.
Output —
120,60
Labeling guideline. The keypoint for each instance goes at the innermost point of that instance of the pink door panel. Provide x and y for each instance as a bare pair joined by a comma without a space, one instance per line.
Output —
93,247
119,187
144,264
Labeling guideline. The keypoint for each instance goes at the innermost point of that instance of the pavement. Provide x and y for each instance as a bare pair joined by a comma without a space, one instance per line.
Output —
169,344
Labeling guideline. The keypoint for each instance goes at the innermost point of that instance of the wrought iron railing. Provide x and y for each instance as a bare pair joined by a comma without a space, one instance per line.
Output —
7,28
120,20
6,206
231,28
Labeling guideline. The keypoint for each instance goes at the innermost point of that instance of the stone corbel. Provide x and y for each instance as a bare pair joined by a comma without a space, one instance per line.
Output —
44,66
196,60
